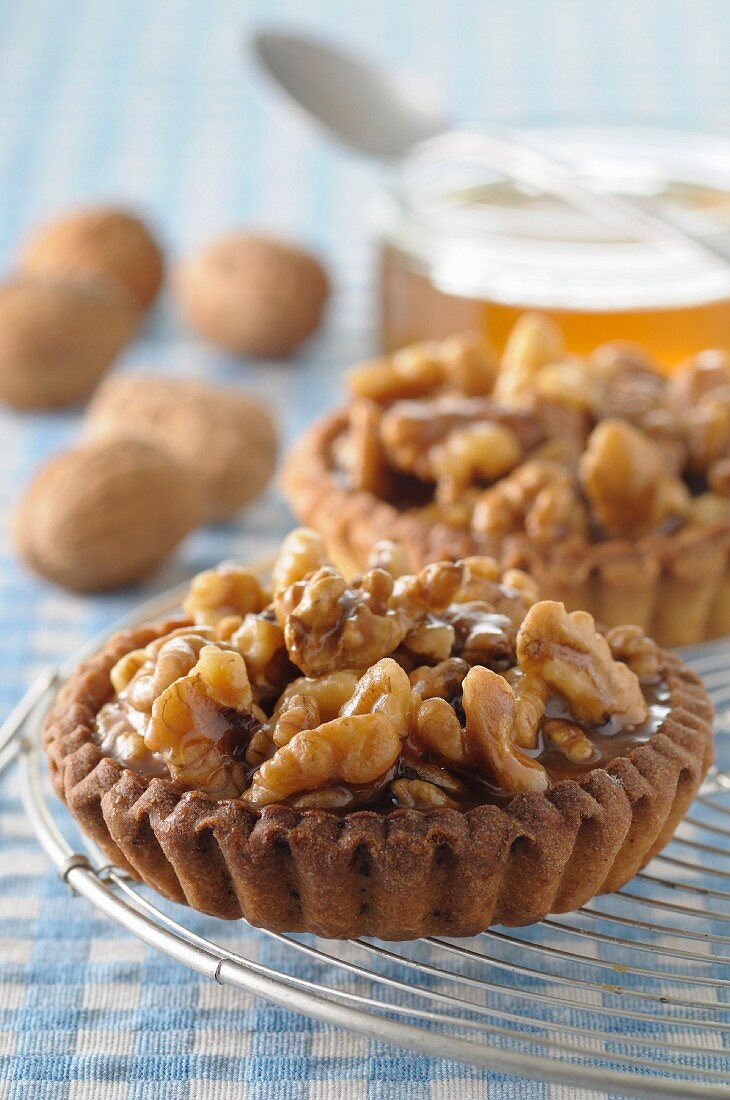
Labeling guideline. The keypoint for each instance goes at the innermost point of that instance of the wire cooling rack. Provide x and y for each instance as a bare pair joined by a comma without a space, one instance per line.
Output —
628,994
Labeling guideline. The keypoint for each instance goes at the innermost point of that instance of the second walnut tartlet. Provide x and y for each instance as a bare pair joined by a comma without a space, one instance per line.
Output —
607,481
398,755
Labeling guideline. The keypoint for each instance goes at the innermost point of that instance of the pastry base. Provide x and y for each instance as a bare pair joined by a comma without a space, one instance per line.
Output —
396,876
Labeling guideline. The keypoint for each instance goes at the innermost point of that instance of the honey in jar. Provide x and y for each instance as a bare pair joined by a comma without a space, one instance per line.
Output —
465,249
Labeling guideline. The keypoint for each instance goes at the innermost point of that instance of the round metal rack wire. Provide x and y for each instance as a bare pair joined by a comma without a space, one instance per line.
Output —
628,994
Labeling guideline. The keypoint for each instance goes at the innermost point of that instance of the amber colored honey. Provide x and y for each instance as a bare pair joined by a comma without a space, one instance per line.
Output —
412,309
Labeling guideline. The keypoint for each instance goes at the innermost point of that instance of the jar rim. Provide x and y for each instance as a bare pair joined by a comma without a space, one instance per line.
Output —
472,250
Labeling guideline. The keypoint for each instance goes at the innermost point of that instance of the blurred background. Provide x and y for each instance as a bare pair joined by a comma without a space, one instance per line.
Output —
157,106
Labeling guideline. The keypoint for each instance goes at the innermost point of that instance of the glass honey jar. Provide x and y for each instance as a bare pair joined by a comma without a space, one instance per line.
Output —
463,248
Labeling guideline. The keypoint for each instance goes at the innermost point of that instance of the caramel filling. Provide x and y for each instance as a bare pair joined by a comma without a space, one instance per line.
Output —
121,729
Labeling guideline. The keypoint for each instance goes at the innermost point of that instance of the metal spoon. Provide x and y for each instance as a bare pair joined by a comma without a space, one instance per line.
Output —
384,113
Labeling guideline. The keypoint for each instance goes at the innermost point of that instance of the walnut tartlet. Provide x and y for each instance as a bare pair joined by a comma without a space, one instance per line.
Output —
397,756
607,481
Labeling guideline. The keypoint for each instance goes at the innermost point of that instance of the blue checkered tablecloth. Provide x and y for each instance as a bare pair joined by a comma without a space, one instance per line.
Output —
149,102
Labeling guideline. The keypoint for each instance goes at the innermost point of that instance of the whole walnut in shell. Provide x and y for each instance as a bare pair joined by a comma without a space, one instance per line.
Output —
253,295
57,337
103,242
226,437
105,514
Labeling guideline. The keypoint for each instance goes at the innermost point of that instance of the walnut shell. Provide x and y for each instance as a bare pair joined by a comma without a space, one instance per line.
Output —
57,338
253,295
105,514
227,437
98,242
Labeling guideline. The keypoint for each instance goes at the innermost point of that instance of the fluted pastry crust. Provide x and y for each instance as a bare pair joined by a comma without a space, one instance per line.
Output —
675,586
399,875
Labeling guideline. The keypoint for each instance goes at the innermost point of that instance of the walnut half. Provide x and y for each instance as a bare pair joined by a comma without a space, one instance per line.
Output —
625,478
566,652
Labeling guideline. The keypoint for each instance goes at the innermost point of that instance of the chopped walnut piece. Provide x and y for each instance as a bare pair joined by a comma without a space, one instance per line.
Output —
519,591
390,556
418,795
566,652
490,708
633,390
300,712
227,627
383,689
439,729
483,635
664,428
222,592
531,696
469,363
510,593
567,383
412,372
326,798
329,625
478,452
708,509
433,589
534,342
302,552
363,456
126,668
441,681
570,739
719,477
225,678
430,640
564,449
707,430
165,663
632,646
413,766
121,734
261,746
330,692
376,587
697,378
619,357
355,748
411,430
538,497
260,640
193,723
624,476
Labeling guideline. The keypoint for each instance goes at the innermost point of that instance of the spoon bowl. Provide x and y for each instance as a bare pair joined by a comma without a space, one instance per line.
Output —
375,111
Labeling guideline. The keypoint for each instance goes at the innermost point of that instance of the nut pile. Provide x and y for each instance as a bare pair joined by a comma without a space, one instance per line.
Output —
83,281
161,457
542,441
446,688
